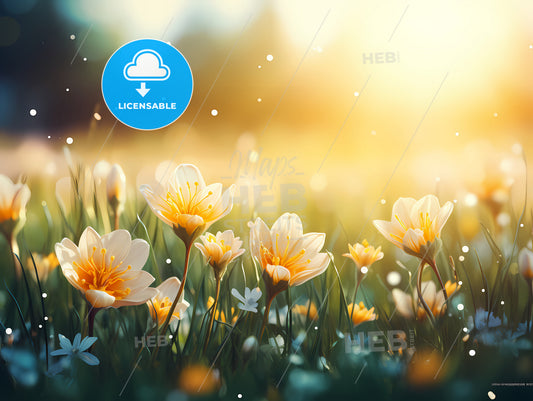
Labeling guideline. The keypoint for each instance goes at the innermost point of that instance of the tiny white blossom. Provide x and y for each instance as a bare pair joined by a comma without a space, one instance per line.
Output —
249,301
77,349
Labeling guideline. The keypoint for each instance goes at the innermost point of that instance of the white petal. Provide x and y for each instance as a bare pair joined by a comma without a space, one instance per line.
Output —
404,303
99,299
288,224
137,298
117,244
88,241
402,211
138,254
442,216
169,288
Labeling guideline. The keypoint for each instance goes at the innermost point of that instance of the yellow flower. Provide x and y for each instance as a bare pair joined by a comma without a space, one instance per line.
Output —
525,263
309,309
415,226
116,188
108,269
44,264
364,255
220,250
13,200
409,307
198,380
359,313
426,368
286,255
187,204
220,315
160,304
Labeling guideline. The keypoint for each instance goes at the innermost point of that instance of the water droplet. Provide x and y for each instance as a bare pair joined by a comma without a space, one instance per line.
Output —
465,329
465,249
259,66
356,94
490,393
214,112
168,261
461,258
85,59
72,37
97,116
502,303
239,395
460,307
472,352
67,89
383,201
40,326
364,270
70,141
394,278
46,318
259,100
483,290
44,294
460,282
9,331
270,57
470,200
495,114
33,112
457,134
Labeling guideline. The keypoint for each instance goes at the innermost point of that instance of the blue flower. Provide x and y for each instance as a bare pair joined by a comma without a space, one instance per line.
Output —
77,349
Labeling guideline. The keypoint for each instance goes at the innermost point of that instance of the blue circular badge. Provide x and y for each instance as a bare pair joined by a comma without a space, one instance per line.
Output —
147,84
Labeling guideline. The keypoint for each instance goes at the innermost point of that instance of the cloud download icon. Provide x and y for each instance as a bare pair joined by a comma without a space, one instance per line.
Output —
143,61
147,65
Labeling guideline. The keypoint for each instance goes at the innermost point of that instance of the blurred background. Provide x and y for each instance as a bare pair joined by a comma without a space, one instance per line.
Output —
328,109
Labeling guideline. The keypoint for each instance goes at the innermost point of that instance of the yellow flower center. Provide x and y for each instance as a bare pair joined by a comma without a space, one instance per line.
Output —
8,214
99,275
225,248
178,205
276,257
161,309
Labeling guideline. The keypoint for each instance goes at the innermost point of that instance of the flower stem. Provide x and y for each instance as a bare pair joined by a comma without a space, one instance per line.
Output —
14,248
176,300
92,314
213,313
354,297
117,219
420,296
265,317
530,301
433,265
